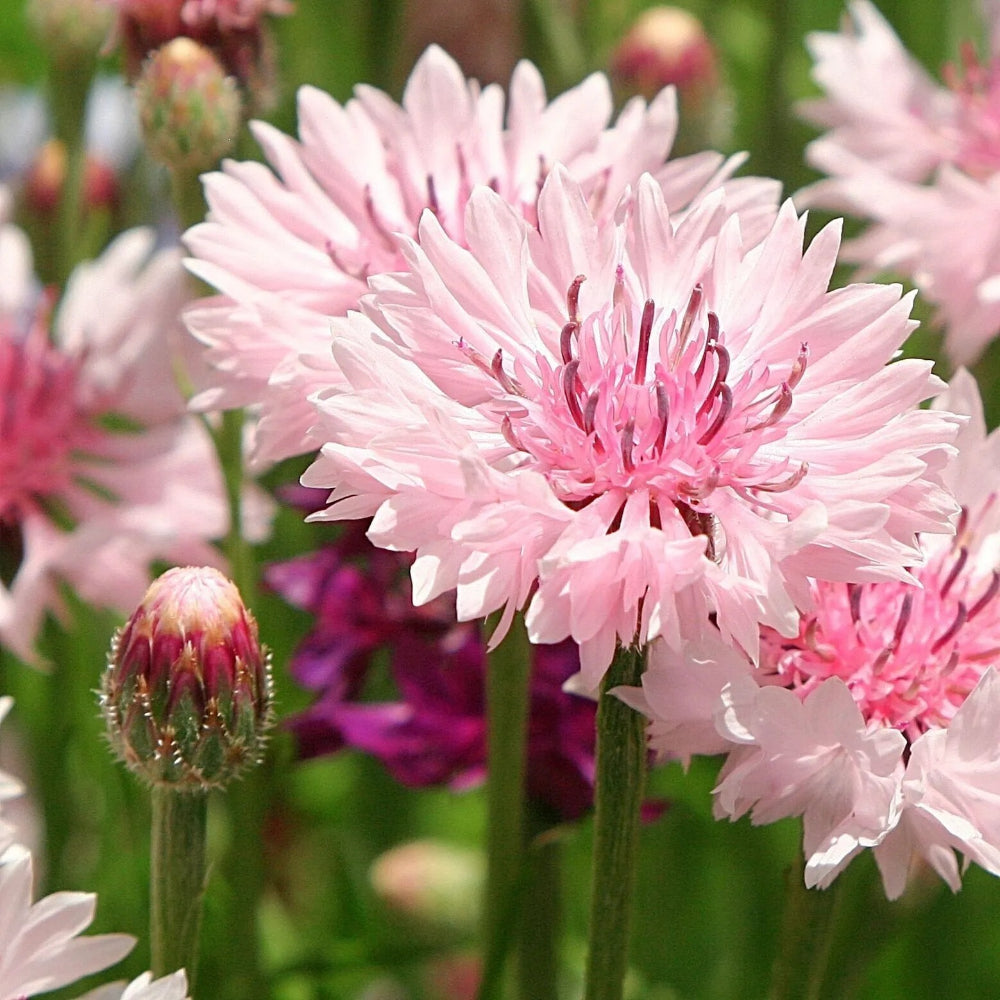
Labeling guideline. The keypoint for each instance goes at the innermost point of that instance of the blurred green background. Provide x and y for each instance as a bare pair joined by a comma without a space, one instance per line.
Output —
710,895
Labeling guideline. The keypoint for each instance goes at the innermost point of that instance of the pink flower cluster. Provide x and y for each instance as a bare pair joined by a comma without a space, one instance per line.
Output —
921,162
877,722
292,244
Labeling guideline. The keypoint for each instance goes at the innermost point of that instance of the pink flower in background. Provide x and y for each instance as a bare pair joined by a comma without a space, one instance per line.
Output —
918,160
40,949
101,469
877,723
628,425
292,243
172,987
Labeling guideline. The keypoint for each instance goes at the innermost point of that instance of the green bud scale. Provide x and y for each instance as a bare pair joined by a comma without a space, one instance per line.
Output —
187,691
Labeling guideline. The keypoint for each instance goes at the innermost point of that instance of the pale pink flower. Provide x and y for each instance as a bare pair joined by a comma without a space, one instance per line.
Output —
172,987
10,787
101,468
920,161
630,424
39,945
292,243
878,722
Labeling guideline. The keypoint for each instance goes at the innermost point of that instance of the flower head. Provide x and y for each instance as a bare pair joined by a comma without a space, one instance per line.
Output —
172,987
292,246
40,949
920,161
101,469
235,30
631,425
876,722
187,691
189,109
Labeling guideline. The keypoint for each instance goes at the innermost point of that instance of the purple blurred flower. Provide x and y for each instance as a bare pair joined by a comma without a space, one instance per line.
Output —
436,733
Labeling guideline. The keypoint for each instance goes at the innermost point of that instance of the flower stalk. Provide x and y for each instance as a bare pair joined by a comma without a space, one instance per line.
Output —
508,678
177,879
620,784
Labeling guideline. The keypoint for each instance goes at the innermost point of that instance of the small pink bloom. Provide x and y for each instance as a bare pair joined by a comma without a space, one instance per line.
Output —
40,949
101,469
629,424
921,161
877,723
292,244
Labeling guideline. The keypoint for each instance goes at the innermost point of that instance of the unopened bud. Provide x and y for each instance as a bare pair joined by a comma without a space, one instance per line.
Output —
43,184
431,886
189,109
71,29
187,690
666,45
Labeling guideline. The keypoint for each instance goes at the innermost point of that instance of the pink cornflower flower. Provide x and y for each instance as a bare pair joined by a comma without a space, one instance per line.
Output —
921,162
40,949
292,243
877,722
627,425
101,469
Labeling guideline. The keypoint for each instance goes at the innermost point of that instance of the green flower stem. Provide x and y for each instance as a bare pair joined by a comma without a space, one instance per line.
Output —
507,695
538,957
620,783
177,876
807,926
186,194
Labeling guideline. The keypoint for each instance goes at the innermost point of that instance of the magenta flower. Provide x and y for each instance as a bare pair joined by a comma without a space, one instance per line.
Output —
918,160
101,469
877,722
292,246
627,426
435,734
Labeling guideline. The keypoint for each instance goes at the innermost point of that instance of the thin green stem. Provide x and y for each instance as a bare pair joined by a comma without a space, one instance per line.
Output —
802,962
538,957
620,783
177,877
507,697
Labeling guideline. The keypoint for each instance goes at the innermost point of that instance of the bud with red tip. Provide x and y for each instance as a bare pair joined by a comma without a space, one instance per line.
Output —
189,108
667,46
187,691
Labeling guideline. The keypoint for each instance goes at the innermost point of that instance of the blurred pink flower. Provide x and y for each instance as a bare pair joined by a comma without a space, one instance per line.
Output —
292,243
877,723
920,162
39,946
172,987
101,469
629,424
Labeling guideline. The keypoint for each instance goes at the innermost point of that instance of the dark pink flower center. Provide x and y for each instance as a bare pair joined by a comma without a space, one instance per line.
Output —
910,654
42,426
649,399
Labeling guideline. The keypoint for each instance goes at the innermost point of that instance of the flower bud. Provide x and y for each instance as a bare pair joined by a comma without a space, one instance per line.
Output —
667,46
44,181
187,690
431,887
189,109
71,29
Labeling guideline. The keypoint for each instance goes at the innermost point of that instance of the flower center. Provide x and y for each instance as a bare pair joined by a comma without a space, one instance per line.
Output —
977,89
646,399
42,427
910,655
